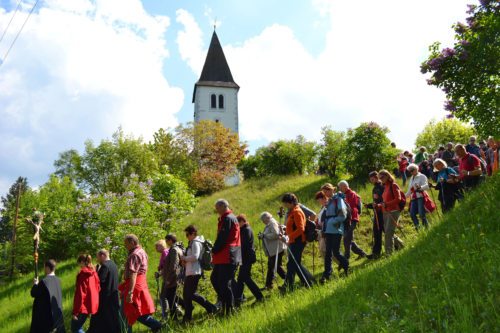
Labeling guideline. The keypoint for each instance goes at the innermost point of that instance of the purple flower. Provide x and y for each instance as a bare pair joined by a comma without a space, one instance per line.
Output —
449,106
435,63
88,239
471,8
107,240
484,3
115,248
450,116
460,28
149,182
464,42
129,194
464,55
430,81
448,52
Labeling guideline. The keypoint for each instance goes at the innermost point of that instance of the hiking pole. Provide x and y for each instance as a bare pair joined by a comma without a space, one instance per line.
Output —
434,198
157,291
373,220
261,261
313,255
298,267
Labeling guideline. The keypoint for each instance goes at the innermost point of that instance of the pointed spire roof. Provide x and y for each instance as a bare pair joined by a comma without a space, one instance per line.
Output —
215,71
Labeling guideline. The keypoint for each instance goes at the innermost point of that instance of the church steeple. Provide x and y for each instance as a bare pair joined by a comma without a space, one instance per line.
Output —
216,72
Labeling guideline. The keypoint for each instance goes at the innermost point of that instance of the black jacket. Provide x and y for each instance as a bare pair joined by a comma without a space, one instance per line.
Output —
247,247
47,306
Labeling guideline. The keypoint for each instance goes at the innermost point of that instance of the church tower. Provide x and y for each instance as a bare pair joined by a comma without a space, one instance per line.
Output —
215,95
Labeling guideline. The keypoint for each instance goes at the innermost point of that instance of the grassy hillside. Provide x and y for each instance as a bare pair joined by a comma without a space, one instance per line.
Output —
446,281
252,198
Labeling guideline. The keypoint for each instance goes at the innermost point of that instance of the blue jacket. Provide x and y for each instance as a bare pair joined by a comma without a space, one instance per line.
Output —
334,215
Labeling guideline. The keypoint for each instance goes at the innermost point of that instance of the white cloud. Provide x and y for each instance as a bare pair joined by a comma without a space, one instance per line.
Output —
79,70
368,70
190,40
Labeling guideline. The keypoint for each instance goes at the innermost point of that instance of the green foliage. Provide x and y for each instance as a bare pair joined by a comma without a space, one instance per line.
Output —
367,148
103,168
283,157
436,134
469,73
102,220
331,152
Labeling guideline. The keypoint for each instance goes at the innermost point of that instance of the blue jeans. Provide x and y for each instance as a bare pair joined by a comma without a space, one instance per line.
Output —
295,252
77,325
149,321
332,242
417,207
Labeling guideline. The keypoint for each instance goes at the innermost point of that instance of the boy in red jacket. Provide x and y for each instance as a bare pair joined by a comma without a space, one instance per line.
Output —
86,300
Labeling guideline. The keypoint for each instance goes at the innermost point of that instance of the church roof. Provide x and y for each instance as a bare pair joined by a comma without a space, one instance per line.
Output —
216,72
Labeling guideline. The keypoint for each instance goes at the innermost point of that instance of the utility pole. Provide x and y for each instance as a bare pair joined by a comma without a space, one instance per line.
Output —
14,229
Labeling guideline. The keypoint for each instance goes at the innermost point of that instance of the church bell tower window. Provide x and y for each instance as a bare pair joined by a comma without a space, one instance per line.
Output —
221,101
213,101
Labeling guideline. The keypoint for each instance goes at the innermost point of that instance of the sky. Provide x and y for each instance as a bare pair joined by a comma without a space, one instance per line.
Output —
81,69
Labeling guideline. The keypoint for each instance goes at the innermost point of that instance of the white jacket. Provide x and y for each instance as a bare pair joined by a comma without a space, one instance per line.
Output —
271,239
192,256
418,179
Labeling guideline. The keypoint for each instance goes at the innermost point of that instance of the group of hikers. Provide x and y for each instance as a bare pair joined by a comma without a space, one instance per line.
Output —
115,307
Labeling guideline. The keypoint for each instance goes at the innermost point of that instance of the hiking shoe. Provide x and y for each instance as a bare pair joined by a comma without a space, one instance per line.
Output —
361,256
373,256
323,280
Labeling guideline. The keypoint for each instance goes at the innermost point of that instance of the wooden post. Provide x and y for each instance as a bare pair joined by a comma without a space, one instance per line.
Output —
14,230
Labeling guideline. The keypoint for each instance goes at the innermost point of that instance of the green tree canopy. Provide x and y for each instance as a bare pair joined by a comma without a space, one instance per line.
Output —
439,133
469,72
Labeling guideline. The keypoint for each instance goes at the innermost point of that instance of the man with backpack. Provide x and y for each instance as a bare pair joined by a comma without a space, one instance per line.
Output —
472,148
226,255
378,217
353,203
171,271
469,167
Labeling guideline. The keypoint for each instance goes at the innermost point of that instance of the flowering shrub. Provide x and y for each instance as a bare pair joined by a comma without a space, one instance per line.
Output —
102,220
468,73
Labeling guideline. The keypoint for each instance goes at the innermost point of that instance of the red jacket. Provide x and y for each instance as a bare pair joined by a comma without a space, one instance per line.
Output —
142,302
227,246
353,199
391,197
296,225
86,300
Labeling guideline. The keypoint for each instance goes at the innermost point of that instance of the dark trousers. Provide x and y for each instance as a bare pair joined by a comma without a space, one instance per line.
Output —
148,321
77,325
295,254
189,295
447,195
170,298
349,243
378,229
332,242
271,261
245,277
221,278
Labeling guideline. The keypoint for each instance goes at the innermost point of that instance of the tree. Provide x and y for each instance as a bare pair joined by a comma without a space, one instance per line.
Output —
469,72
368,148
283,157
213,152
103,168
436,134
331,152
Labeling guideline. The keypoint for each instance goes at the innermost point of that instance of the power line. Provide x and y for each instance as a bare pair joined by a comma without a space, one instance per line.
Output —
20,30
11,19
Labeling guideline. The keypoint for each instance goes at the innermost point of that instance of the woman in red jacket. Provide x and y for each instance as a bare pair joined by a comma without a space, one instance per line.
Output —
86,301
390,208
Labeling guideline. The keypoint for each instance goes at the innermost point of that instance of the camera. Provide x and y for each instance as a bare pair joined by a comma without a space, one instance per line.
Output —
281,212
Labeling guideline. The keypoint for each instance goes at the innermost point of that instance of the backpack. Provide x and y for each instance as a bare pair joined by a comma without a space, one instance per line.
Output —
310,231
402,202
482,163
205,258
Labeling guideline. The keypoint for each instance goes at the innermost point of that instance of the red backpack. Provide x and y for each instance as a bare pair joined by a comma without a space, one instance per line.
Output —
402,202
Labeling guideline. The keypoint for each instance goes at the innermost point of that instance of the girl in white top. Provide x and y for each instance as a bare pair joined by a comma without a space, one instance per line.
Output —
417,186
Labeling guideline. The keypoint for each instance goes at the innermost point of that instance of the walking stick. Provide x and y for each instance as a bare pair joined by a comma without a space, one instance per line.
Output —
314,247
373,235
261,260
298,267
434,198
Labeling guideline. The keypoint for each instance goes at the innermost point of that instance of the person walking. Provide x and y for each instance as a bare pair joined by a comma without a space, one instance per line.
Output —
333,218
469,167
403,164
390,208
170,273
473,148
354,201
378,216
417,185
107,317
296,239
193,274
421,155
138,304
226,255
162,248
447,186
248,258
86,298
47,313
449,155
273,248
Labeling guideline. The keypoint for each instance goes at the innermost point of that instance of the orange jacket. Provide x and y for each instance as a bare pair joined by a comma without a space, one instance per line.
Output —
391,197
296,225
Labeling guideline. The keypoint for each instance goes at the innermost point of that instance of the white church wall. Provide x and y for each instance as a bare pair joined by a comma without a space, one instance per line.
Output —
228,116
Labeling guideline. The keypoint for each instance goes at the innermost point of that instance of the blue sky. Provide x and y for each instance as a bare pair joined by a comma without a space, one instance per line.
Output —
82,68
